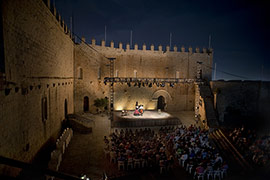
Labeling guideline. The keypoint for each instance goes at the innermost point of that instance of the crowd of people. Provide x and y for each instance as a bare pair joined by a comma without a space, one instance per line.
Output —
255,149
187,146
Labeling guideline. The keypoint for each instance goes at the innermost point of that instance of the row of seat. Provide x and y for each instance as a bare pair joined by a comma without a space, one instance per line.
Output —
215,174
61,144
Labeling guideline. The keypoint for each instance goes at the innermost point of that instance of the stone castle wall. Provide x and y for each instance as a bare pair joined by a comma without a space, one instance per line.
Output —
90,70
243,102
138,63
38,65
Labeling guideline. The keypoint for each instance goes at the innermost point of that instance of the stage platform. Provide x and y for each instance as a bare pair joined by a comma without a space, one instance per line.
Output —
149,119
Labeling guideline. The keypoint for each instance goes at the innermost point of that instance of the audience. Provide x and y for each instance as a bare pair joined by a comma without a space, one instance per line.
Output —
255,149
146,148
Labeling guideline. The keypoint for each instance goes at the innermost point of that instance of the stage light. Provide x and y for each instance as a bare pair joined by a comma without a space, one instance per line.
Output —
162,84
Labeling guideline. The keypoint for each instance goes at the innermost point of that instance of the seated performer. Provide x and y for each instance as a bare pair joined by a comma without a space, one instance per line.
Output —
136,112
141,109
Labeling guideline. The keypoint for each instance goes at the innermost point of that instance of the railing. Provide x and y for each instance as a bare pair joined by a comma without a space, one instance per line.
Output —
34,168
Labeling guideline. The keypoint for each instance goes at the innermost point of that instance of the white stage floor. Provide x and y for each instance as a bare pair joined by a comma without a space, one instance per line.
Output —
149,118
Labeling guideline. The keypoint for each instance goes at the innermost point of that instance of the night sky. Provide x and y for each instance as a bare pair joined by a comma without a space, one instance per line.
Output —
240,30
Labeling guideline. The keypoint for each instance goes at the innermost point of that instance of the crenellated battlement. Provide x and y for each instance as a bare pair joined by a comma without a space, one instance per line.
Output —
58,17
144,47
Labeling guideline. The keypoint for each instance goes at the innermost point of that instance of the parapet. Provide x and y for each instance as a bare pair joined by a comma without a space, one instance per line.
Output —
93,41
103,43
120,46
183,49
167,48
112,44
128,46
152,48
57,16
136,46
159,48
175,48
83,39
144,47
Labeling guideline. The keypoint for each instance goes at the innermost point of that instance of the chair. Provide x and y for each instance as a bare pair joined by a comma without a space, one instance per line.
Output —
200,175
113,157
130,164
137,163
121,165
106,152
144,163
217,174
190,168
210,173
162,169
182,162
223,172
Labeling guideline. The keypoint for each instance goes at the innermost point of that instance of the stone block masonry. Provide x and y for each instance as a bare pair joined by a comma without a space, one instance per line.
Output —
39,68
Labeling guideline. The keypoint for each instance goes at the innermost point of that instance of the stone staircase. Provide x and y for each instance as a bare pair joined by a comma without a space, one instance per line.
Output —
80,123
206,94
237,164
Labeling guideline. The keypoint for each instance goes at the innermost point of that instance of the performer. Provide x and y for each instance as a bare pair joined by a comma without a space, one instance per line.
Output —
136,112
141,109
136,105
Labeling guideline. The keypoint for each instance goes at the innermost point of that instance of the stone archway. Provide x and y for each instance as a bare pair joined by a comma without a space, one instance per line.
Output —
161,103
162,97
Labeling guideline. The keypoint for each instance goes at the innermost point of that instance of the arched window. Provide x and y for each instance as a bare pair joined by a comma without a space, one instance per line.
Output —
80,73
44,109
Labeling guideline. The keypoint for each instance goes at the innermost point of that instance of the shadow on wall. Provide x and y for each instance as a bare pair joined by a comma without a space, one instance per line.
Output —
234,117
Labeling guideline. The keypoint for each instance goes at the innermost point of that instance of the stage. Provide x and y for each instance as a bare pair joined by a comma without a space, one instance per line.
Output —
149,119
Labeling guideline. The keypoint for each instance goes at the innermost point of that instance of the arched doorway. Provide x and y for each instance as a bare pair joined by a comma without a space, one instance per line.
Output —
66,108
85,104
161,103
